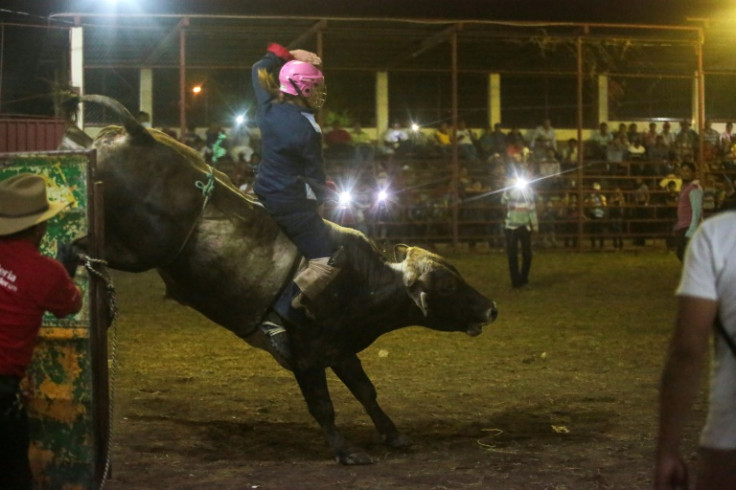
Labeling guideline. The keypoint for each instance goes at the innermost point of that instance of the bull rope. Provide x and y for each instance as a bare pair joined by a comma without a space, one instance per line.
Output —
90,265
207,189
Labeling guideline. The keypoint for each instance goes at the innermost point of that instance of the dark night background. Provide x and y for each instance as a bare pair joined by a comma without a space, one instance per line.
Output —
24,76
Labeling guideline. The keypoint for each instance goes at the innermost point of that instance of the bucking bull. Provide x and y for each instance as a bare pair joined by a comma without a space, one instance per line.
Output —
220,253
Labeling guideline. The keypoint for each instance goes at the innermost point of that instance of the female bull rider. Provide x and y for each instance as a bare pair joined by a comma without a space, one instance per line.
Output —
290,180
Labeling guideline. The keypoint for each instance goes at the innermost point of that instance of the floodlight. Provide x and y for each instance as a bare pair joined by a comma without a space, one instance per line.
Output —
345,198
521,183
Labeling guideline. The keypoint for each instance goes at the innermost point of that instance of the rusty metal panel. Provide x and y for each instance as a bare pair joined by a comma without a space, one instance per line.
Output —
18,135
59,386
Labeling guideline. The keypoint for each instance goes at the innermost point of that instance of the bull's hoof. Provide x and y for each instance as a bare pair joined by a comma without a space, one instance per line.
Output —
353,457
398,441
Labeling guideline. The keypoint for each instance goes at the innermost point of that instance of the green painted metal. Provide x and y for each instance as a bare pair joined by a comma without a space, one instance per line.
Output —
59,382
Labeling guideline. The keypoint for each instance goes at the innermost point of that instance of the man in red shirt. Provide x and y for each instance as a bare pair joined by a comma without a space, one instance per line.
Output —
30,283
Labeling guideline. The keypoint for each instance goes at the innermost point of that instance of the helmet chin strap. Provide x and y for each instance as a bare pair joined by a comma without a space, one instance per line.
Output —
301,94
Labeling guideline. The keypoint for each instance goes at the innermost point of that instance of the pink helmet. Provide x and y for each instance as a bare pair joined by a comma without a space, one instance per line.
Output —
304,80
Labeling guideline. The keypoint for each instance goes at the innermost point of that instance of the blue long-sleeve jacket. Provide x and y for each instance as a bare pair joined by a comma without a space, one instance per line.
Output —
291,147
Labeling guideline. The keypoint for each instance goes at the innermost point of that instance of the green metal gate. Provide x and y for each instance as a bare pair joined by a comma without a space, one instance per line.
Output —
66,384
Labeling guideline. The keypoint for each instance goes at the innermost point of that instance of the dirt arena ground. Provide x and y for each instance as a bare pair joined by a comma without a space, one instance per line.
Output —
559,393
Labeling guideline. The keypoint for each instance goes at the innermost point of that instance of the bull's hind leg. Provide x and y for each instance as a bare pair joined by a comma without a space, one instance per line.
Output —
313,384
351,372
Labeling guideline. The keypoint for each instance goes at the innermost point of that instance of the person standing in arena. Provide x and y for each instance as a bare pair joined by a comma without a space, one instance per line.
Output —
290,180
30,284
521,221
689,208
706,297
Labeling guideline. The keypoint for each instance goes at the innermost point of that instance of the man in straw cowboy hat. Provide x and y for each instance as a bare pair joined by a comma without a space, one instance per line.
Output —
30,283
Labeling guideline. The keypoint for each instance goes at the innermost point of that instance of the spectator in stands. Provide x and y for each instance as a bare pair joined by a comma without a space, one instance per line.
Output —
515,142
595,208
493,142
649,138
727,139
640,211
191,138
466,142
632,133
668,135
338,142
636,154
616,154
659,153
238,139
686,142
689,207
550,173
569,155
616,213
496,184
622,131
443,139
544,136
396,139
600,140
570,220
144,118
364,148
711,145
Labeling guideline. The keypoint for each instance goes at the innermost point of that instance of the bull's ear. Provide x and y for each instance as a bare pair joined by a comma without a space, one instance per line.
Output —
400,252
418,294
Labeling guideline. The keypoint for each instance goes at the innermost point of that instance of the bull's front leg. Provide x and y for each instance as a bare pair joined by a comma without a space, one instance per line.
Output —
313,384
350,371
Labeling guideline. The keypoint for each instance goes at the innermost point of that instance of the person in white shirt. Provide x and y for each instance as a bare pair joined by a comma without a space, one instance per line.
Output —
706,296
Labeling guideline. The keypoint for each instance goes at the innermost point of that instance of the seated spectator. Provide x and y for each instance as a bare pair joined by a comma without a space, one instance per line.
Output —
660,153
570,155
191,138
549,172
616,153
338,142
239,143
632,133
493,141
668,135
466,142
649,138
144,118
396,139
364,148
622,131
600,140
727,139
544,136
515,143
637,153
686,142
711,144
443,139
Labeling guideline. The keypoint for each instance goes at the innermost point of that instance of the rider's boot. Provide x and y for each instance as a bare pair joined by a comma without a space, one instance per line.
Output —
313,279
278,339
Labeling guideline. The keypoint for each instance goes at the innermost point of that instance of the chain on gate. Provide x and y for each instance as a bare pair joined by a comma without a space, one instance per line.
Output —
98,268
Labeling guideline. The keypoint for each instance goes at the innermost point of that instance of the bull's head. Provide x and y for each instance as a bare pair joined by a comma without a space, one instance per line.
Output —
444,298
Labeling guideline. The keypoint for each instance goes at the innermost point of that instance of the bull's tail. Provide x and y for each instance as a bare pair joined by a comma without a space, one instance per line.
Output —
137,132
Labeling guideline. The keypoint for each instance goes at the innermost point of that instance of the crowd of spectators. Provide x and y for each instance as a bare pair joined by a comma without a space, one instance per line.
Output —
628,178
